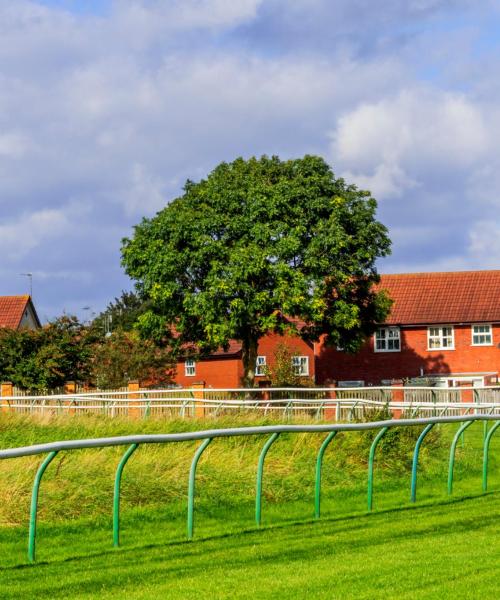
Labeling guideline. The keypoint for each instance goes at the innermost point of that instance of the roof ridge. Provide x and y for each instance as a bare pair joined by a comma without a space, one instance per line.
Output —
431,273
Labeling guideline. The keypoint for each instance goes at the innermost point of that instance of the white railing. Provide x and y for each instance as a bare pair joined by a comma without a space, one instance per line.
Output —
340,404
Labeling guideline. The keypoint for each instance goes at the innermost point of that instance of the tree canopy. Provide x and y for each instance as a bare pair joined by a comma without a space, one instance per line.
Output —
121,314
255,241
46,358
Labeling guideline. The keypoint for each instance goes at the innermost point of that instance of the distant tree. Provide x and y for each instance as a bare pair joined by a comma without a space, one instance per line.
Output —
46,358
121,314
256,240
124,356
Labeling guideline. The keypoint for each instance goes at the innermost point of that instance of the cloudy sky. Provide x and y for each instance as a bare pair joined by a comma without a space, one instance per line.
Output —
107,107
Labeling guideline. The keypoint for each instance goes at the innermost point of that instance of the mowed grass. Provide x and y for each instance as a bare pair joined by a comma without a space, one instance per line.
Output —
439,548
447,550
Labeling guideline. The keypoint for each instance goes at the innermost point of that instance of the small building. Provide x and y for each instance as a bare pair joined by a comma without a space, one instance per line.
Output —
18,312
224,369
443,327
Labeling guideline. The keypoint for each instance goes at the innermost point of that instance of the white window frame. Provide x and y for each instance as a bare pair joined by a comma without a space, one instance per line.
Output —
386,339
260,366
440,337
474,334
190,367
300,365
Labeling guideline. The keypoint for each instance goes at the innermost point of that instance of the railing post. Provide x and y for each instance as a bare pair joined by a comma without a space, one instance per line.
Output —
6,391
199,397
319,464
260,471
331,413
70,388
116,496
414,468
191,487
34,505
486,449
134,408
398,395
453,446
373,447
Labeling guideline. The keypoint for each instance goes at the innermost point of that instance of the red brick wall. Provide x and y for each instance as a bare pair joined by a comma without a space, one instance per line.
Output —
215,372
226,372
372,366
270,343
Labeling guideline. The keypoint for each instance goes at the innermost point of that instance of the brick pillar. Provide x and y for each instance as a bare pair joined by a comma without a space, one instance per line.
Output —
465,395
6,390
199,395
70,388
398,395
331,413
134,408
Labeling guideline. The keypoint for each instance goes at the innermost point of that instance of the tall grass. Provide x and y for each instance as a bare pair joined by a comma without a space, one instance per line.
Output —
80,483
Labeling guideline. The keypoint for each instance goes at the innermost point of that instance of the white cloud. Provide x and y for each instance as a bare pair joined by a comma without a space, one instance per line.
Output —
117,110
390,145
13,145
28,231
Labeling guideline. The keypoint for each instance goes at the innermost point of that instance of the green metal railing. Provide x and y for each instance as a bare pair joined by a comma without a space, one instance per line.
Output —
52,449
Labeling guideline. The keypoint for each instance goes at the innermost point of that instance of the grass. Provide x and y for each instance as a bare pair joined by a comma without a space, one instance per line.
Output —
439,548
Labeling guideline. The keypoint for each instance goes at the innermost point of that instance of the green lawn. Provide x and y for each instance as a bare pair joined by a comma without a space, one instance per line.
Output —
439,548
443,550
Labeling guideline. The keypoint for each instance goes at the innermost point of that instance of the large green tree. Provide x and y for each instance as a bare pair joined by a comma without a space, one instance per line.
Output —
257,240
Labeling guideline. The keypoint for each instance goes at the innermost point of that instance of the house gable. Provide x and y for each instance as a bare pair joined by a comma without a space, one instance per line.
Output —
18,312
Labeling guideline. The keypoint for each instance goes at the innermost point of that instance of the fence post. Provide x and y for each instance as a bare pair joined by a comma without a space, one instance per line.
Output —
134,408
199,396
6,391
398,395
331,413
70,388
466,395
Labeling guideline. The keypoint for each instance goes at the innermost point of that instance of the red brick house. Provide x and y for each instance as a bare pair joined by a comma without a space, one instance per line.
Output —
445,326
18,312
225,369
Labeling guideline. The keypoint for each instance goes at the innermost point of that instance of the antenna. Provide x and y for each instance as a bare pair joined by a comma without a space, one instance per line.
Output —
30,275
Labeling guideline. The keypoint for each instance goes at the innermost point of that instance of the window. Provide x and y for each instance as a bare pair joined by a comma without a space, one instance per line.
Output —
351,383
440,338
482,335
260,366
190,368
387,339
300,365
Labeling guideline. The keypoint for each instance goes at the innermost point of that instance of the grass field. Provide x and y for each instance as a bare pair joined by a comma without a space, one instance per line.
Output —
440,548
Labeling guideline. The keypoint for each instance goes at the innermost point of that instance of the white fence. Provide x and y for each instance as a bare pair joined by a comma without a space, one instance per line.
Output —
340,404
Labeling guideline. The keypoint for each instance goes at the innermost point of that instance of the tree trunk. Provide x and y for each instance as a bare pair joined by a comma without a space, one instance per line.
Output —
249,359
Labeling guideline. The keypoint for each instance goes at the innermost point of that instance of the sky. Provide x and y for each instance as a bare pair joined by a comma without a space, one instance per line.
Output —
107,107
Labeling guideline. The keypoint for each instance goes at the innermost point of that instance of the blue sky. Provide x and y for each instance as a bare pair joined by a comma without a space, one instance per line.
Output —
106,108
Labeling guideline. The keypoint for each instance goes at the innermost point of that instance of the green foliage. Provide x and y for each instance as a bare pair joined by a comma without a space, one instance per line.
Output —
66,350
121,314
124,356
256,240
46,358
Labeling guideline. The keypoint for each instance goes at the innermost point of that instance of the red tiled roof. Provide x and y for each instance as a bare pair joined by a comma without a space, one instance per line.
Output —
234,348
453,297
12,310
